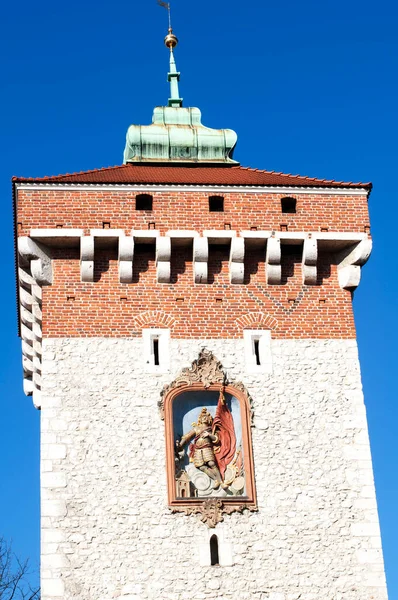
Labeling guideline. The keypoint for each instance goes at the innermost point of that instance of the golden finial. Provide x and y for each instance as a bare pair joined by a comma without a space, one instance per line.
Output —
171,40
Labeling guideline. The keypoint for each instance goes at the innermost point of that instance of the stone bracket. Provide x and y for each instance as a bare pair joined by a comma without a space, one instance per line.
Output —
35,256
163,259
200,259
273,266
87,258
126,256
34,271
236,260
309,261
351,260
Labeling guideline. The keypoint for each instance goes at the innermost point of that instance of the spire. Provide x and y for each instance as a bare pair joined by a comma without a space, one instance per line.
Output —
173,77
176,134
171,42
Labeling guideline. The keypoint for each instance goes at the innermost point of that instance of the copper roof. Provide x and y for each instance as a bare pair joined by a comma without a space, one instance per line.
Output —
189,175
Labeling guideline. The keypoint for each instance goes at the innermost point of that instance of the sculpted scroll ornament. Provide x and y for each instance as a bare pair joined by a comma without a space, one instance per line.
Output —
205,370
212,511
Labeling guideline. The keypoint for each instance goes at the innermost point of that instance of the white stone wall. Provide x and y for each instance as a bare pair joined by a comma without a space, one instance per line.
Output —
106,530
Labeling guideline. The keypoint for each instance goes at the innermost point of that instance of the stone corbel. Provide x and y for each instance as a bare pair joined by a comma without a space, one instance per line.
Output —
36,257
200,259
309,262
350,262
34,271
126,255
163,258
87,258
273,261
236,260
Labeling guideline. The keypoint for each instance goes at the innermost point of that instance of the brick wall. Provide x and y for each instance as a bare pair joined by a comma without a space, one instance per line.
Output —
48,208
109,308
216,309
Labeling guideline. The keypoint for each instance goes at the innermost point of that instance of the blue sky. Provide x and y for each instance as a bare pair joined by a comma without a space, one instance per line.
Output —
310,87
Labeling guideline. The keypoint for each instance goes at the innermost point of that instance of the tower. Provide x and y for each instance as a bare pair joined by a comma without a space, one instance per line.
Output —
187,332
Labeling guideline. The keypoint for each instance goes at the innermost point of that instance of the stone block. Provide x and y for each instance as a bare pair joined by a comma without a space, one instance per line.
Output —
365,529
53,480
54,561
52,588
53,508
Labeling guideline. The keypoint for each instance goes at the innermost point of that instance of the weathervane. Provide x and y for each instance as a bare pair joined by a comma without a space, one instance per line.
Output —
167,6
171,42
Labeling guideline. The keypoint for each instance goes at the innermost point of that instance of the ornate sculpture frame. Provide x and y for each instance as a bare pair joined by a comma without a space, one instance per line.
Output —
207,374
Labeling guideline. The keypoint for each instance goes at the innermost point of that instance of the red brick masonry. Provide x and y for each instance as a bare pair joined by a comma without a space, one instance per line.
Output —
183,209
216,309
108,308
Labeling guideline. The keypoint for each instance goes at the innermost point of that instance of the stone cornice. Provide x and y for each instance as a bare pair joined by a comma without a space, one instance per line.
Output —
286,190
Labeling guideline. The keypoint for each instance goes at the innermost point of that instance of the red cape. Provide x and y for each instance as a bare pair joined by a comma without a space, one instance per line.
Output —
223,425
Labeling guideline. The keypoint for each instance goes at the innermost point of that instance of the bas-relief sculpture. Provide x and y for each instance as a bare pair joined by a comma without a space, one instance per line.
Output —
209,456
213,461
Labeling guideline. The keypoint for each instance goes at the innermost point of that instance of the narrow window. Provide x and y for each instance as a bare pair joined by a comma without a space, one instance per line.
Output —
216,204
143,202
257,351
214,550
258,355
156,351
288,205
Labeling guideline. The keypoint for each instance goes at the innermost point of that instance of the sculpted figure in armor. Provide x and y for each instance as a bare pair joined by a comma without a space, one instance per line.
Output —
202,449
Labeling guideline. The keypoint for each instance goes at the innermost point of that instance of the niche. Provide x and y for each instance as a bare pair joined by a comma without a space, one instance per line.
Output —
208,439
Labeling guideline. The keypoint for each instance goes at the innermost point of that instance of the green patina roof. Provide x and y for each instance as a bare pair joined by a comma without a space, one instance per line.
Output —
177,134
